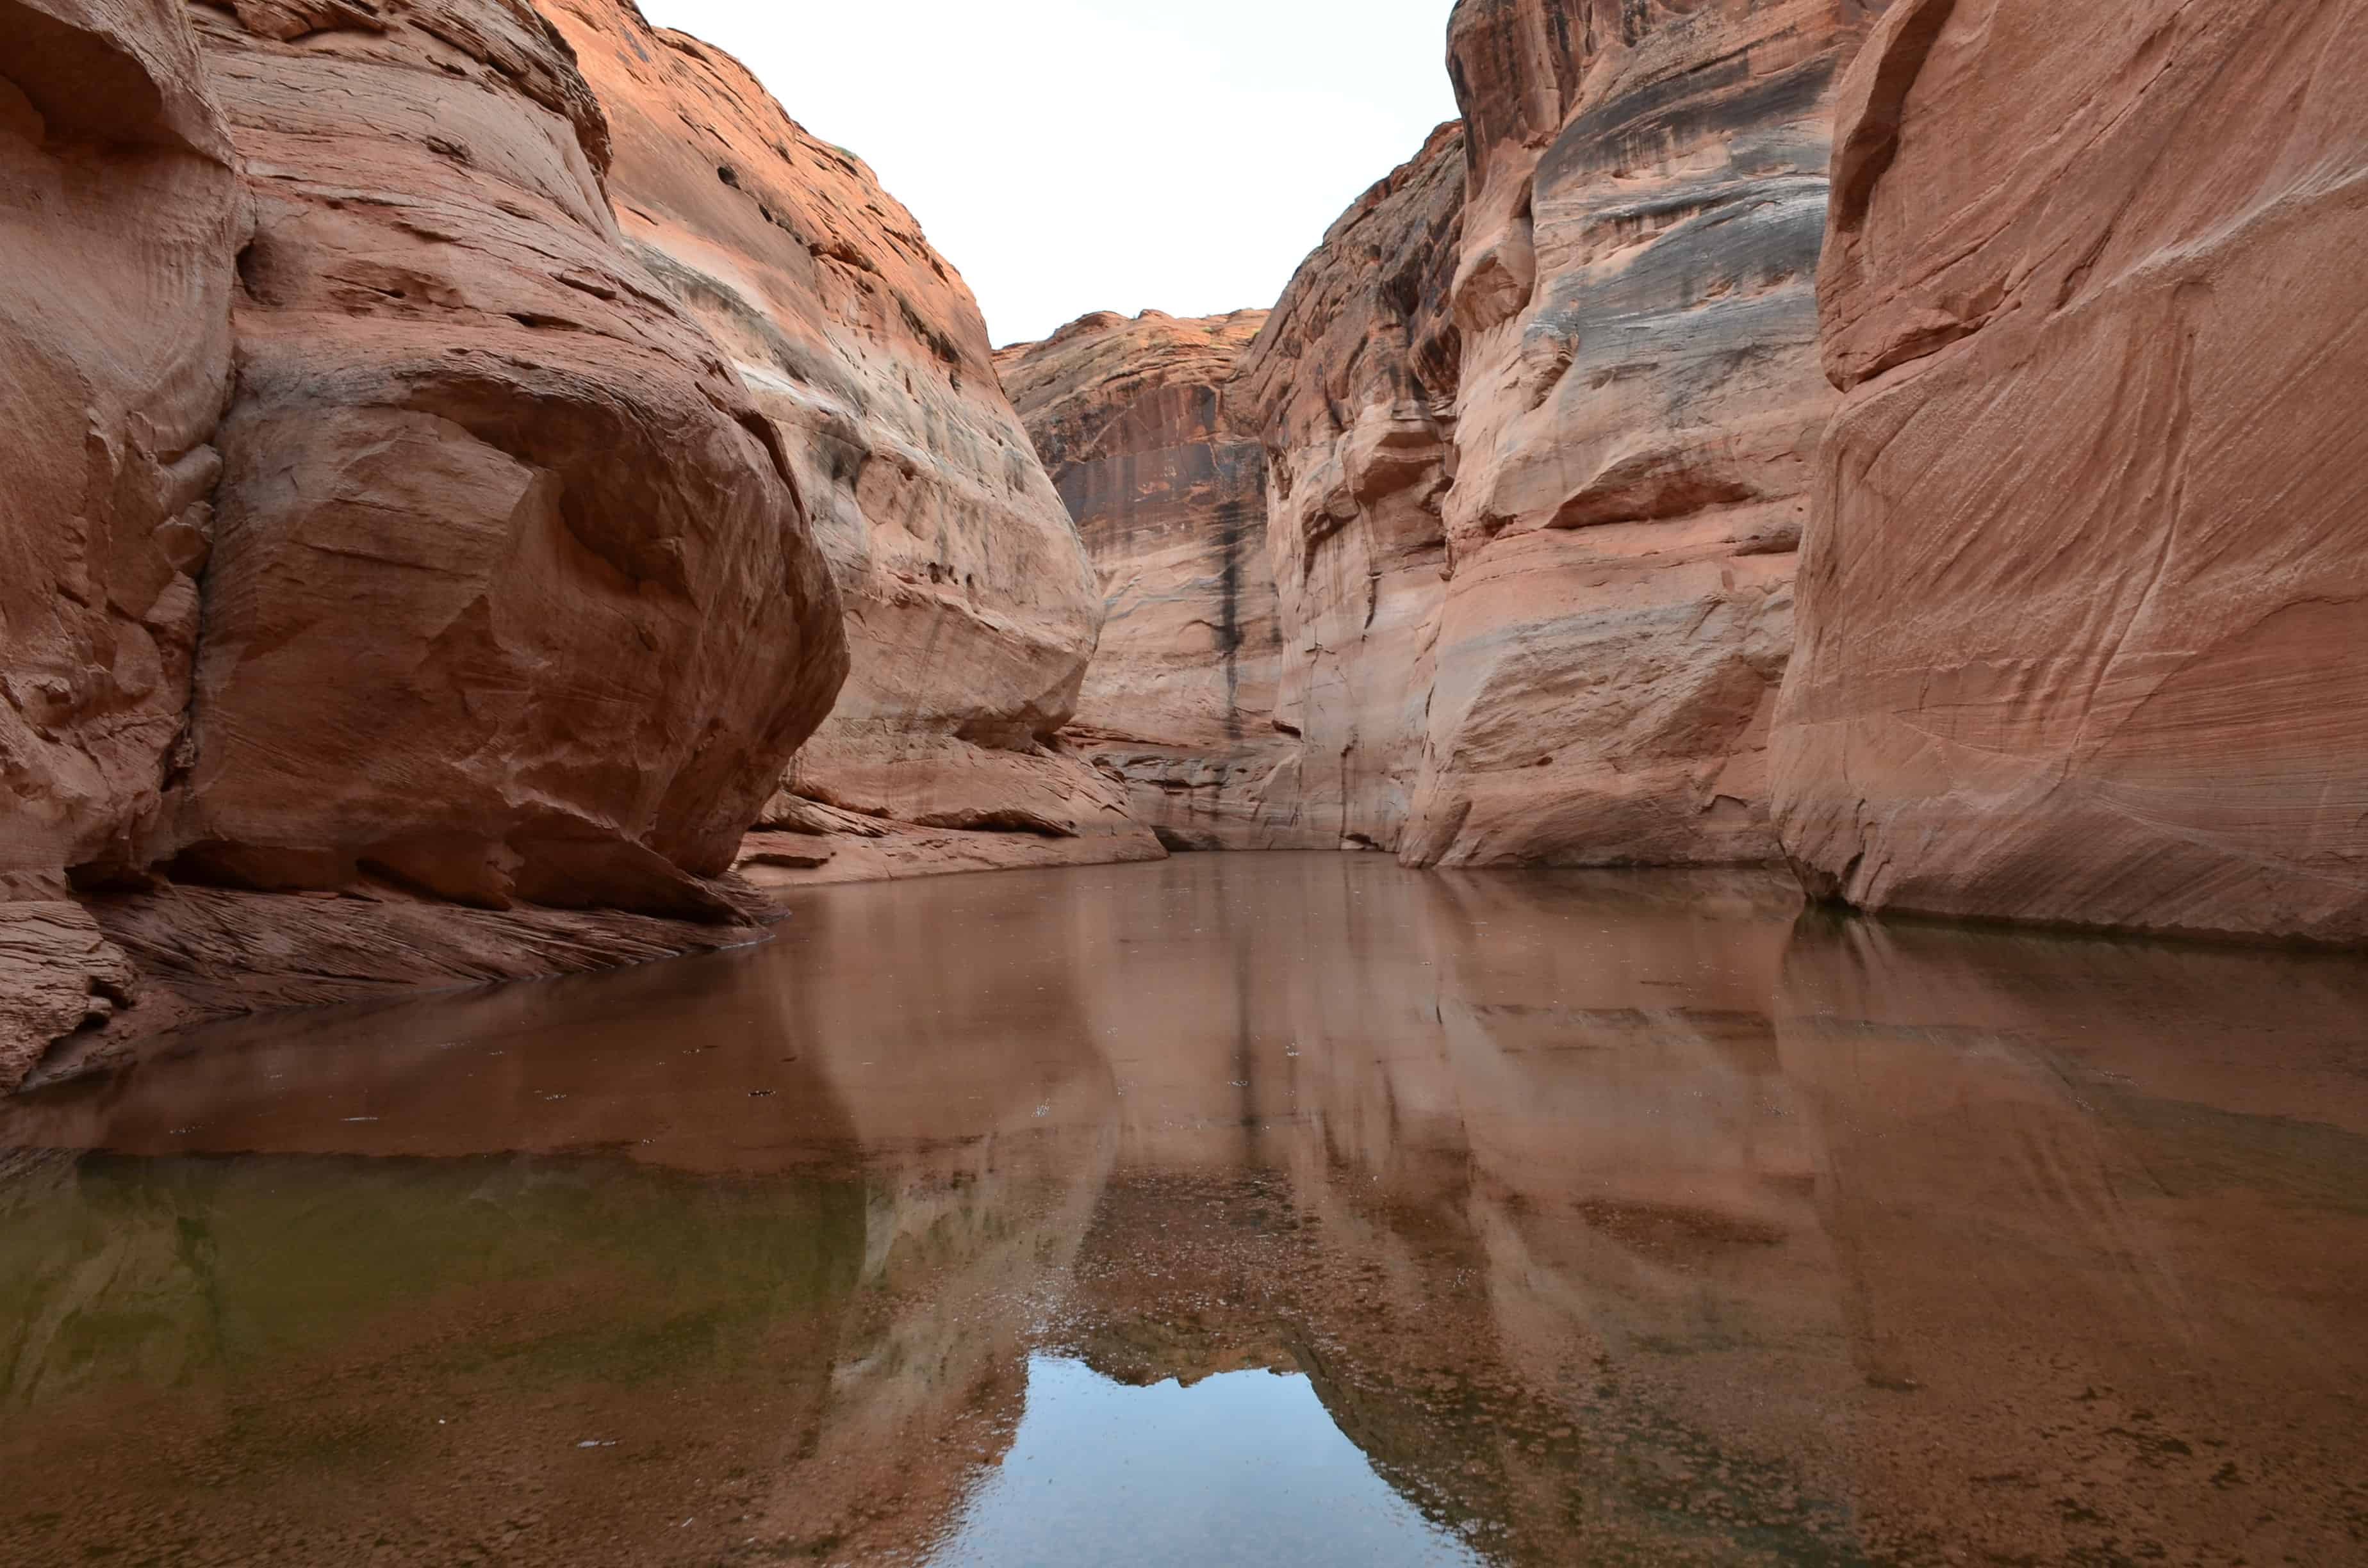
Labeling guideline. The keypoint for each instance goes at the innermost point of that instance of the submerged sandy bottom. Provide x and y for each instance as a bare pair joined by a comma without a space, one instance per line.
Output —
1250,1209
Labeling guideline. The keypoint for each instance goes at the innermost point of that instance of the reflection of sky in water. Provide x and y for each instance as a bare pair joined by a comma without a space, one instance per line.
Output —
1240,1467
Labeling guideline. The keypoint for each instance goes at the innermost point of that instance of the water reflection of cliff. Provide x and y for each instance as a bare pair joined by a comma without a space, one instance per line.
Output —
1617,1218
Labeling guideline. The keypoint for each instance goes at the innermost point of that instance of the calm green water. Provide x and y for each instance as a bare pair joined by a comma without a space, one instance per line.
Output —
1289,1209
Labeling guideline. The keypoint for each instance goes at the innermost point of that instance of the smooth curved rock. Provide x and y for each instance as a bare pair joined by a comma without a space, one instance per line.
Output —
2085,612
971,610
1128,416
512,599
1639,404
1350,386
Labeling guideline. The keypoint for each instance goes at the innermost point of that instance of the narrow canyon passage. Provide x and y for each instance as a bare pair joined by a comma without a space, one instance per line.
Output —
1233,1208
1661,707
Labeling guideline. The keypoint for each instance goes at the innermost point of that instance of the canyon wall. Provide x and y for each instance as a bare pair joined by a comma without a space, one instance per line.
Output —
1540,418
512,597
383,528
120,212
456,448
1638,405
1127,417
1349,386
972,610
2083,634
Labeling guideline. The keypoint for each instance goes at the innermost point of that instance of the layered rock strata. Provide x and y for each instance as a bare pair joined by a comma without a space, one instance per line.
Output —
2083,634
971,610
1540,416
1128,416
1351,388
1638,403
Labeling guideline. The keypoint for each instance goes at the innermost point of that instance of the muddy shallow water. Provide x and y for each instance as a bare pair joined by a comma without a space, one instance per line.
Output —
1236,1210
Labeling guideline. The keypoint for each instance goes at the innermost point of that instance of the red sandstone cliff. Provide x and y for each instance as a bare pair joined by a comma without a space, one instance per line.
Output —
1540,415
513,400
512,597
1179,703
971,610
378,526
1350,386
2082,628
1639,401
120,212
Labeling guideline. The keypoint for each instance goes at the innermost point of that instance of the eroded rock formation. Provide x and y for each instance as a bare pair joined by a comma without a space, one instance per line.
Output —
1540,415
1128,416
1350,386
120,213
512,599
2083,630
972,610
488,585
1638,403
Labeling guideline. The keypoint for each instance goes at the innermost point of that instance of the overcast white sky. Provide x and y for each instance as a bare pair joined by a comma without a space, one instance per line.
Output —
1075,156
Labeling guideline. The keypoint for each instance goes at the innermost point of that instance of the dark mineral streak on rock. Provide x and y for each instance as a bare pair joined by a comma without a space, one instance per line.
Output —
1179,704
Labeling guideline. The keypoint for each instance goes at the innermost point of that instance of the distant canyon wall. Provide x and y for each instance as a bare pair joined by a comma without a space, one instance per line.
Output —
1640,403
1180,705
2084,617
1549,415
1540,419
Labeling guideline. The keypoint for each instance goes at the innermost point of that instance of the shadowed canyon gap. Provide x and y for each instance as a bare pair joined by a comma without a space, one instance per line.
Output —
470,462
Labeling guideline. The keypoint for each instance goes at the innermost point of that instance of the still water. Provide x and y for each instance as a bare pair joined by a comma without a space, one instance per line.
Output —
1241,1209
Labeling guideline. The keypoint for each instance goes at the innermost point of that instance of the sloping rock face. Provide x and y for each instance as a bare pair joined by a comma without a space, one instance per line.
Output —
1180,702
2085,614
1639,401
971,610
512,597
1350,387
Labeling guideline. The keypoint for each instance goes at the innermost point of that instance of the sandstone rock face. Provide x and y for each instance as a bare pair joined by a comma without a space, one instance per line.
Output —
1540,418
512,597
120,215
1639,401
971,610
2085,613
1128,416
1350,387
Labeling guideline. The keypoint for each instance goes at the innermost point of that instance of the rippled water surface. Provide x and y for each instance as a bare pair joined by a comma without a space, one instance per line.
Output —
1239,1210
